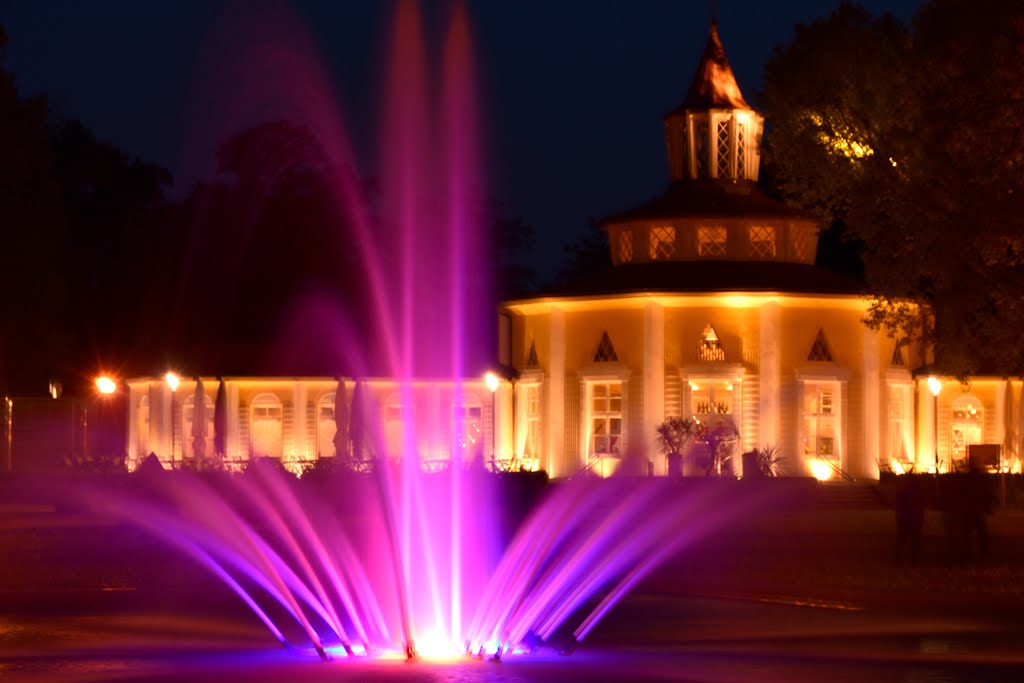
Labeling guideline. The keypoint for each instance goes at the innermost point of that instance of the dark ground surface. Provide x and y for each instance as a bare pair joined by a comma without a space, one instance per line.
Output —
797,593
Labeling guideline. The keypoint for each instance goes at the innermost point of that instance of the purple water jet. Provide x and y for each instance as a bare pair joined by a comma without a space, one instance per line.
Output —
397,560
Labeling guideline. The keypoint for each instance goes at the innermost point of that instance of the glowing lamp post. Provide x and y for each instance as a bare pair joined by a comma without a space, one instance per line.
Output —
105,385
492,381
935,386
172,382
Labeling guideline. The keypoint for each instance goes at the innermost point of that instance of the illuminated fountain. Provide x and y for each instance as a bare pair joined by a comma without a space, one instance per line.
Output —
397,561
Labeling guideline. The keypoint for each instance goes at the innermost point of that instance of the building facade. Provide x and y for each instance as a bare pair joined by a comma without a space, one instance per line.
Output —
713,310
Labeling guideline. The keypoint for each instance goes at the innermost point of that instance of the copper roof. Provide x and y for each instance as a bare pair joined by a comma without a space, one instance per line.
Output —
711,199
714,84
710,276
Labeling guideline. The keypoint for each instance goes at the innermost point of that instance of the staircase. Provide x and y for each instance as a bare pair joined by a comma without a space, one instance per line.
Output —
848,495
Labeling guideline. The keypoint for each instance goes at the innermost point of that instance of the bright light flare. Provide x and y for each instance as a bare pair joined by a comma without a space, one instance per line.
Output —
492,381
105,385
172,380
821,470
436,647
934,385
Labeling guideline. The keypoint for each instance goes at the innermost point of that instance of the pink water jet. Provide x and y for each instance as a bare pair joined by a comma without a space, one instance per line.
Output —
397,560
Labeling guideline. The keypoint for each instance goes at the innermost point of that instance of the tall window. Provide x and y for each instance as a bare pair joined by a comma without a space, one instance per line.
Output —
326,426
701,145
967,425
662,242
188,409
606,417
267,426
723,150
899,421
625,246
470,417
821,419
762,241
711,240
741,162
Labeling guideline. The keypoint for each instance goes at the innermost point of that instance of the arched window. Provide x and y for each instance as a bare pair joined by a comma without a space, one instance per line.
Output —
469,421
967,425
326,426
266,426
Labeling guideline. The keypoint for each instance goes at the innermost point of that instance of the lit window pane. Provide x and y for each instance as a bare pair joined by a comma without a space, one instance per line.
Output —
711,240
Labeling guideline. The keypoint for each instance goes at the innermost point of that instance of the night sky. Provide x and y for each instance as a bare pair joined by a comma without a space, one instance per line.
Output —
571,93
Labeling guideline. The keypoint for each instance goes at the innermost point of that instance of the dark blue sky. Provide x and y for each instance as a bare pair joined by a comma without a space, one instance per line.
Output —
572,93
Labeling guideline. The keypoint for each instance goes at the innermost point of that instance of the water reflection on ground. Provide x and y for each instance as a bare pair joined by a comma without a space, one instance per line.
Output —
650,638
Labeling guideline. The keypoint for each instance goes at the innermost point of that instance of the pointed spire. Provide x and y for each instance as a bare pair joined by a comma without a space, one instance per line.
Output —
714,84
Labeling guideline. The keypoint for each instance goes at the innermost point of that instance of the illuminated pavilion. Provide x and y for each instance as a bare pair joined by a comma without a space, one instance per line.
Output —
713,310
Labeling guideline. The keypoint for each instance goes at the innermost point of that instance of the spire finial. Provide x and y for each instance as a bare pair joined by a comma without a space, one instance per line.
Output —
714,13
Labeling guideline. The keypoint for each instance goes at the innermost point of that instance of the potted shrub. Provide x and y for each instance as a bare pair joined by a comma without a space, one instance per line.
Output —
673,435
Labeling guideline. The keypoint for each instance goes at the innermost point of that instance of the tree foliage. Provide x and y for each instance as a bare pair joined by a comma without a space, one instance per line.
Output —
77,213
911,138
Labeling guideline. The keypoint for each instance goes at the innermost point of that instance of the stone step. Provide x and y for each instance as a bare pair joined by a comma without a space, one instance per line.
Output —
848,496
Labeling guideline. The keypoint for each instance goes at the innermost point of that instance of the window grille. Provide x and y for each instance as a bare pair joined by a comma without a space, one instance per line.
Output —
821,419
741,163
663,242
800,245
723,150
606,417
820,349
625,246
967,425
711,240
605,351
762,241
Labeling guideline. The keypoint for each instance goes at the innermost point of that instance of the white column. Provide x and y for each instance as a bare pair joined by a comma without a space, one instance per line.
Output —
1001,416
165,408
556,459
518,419
503,422
299,450
133,398
867,466
926,448
233,445
770,375
654,379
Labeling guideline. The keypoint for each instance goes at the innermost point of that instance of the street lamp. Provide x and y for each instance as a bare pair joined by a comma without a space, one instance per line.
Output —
172,382
935,386
492,381
105,385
